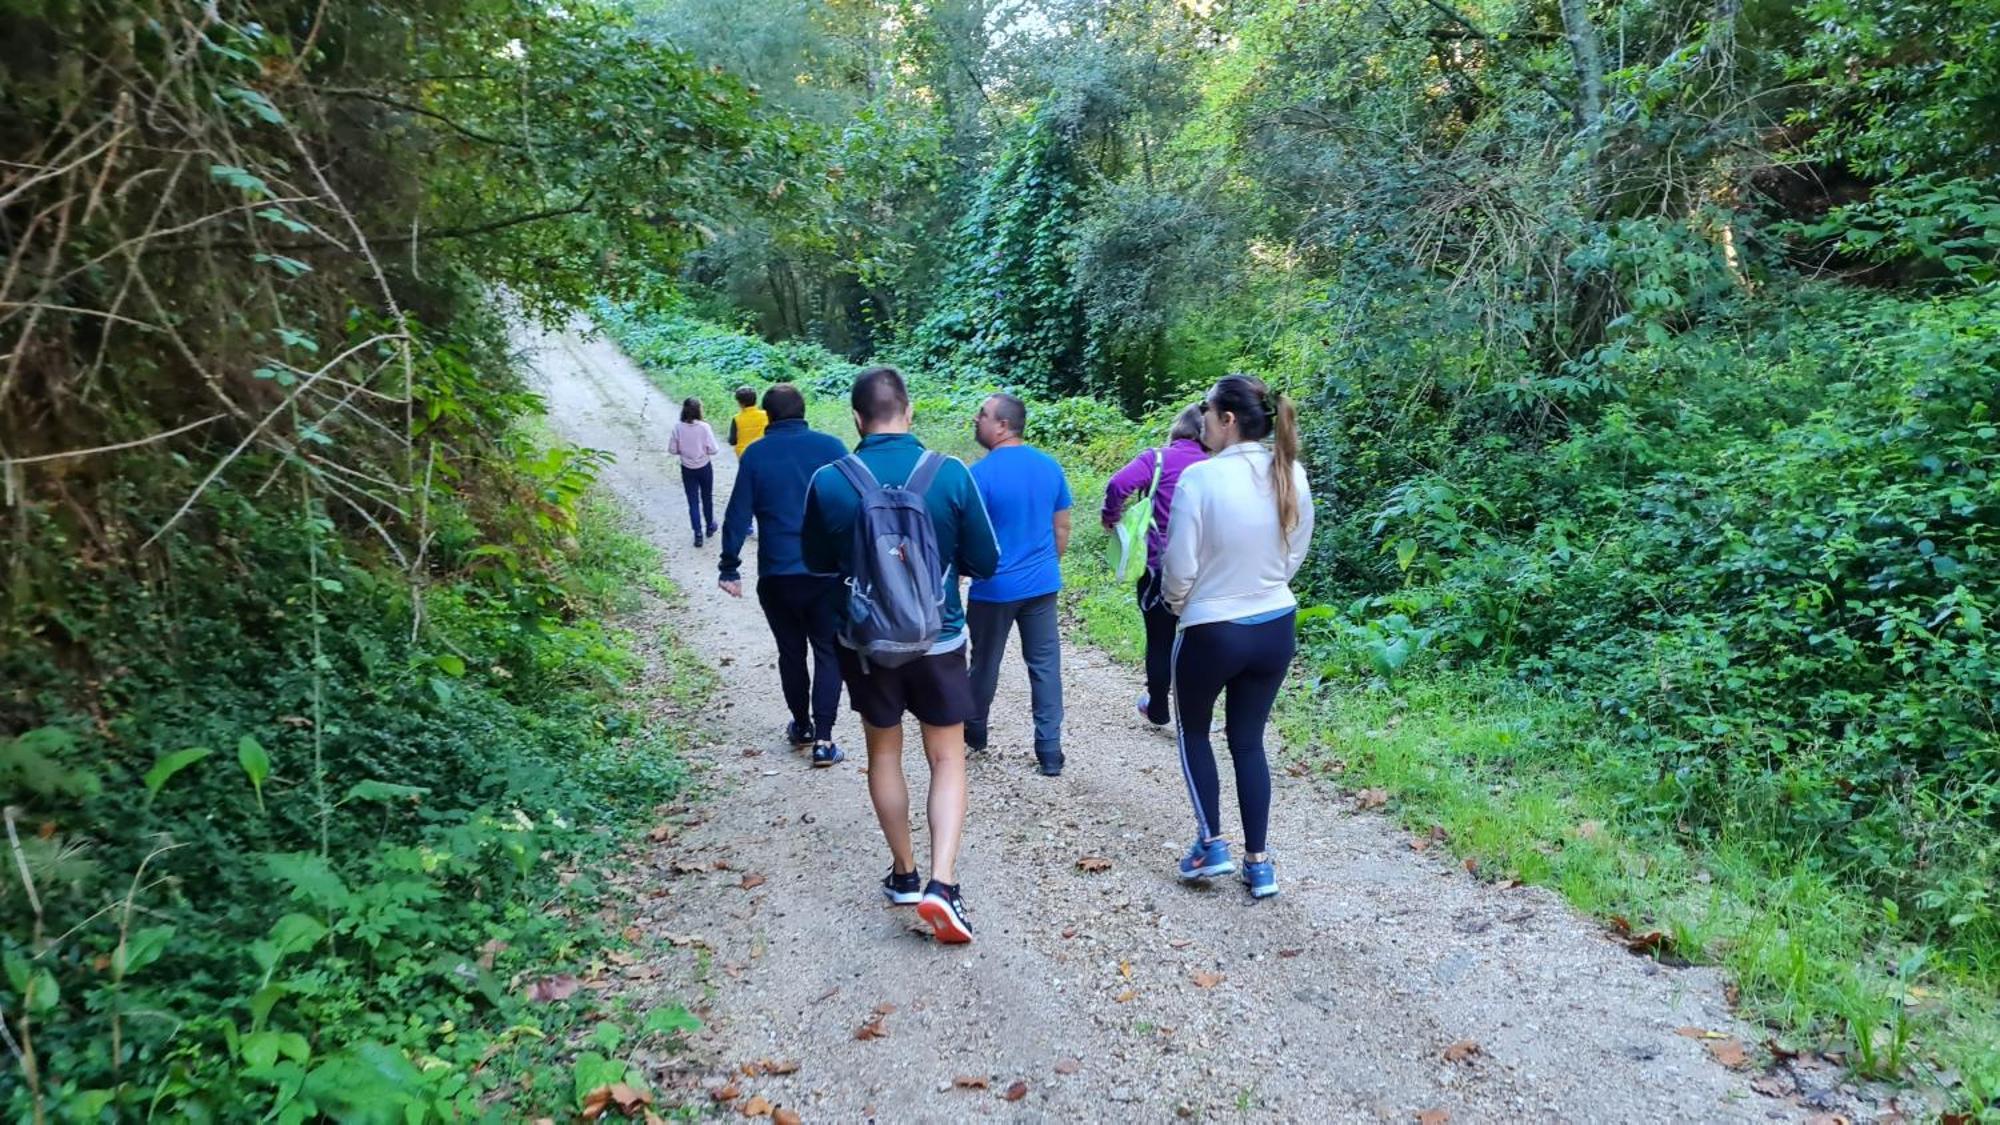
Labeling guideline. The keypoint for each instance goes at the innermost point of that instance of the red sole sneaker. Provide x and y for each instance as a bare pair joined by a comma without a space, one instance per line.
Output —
945,922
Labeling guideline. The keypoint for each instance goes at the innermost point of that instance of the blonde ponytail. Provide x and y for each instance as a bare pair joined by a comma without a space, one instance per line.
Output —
1285,454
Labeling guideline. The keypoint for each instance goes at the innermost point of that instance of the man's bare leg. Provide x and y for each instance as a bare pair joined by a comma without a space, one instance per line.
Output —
945,748
891,793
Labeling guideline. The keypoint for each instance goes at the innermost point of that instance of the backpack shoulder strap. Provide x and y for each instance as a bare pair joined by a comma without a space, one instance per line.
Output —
925,472
857,474
1159,464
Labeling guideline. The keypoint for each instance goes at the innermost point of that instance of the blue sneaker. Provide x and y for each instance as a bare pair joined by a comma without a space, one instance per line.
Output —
1261,877
826,754
798,734
1207,860
1145,707
903,888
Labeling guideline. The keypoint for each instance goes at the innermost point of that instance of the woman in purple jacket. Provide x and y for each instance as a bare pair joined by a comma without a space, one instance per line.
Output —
1183,448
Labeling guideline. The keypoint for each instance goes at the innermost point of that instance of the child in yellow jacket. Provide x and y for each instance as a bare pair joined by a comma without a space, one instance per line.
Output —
750,420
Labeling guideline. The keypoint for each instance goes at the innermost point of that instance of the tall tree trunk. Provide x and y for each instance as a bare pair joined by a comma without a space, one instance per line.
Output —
1587,55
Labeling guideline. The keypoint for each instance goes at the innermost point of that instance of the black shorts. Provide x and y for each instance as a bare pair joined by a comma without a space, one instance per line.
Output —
934,688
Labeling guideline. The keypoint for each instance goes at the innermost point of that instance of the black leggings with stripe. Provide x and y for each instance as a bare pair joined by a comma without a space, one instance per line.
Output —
1248,663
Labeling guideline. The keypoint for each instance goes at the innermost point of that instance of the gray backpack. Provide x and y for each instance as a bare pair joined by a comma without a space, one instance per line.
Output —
895,597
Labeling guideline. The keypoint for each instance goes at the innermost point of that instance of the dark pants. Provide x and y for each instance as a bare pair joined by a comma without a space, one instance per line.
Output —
804,611
1249,662
699,484
1161,625
1041,646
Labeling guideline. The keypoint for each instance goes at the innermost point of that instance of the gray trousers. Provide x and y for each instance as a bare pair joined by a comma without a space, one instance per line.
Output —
1041,646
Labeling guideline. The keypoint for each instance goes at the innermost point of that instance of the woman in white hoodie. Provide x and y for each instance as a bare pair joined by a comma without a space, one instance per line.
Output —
1240,526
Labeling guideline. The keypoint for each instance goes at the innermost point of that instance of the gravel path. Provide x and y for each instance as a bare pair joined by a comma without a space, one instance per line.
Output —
1119,993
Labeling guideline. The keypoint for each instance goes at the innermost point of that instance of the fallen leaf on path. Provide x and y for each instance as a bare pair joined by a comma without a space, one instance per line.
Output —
1371,799
1070,932
1419,843
873,1029
757,1107
1017,1091
972,1082
1290,952
1779,1051
752,752
661,833
1125,969
1125,996
1471,865
1699,1033
619,1096
781,1066
1837,1119
1772,1085
1461,1051
785,1115
689,867
1206,979
727,1093
551,989
752,880
1093,864
1068,1066
1729,1053
885,1009
1181,943
1298,769
828,994
722,865
1439,834
1433,1116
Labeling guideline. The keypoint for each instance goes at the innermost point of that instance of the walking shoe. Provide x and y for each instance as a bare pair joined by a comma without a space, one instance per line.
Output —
1145,706
1207,860
798,734
945,911
1261,877
1051,764
902,888
697,538
826,754
711,531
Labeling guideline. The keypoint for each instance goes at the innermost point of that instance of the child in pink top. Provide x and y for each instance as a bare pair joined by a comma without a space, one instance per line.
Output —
693,441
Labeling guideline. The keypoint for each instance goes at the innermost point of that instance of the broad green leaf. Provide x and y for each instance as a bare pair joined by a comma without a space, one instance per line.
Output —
384,791
238,178
42,994
295,933
309,876
256,764
140,950
170,764
255,102
671,1018
451,665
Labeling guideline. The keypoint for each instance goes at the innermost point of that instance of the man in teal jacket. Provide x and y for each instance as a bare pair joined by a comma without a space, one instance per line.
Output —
933,687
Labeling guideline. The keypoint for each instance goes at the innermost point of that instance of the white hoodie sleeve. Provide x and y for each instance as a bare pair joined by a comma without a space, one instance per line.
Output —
1182,558
1301,539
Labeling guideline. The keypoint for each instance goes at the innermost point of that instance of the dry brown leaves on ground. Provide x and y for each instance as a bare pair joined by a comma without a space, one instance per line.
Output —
1433,1116
1206,979
1017,1091
619,1098
752,880
1729,1053
972,1082
1461,1051
1371,799
548,990
1093,864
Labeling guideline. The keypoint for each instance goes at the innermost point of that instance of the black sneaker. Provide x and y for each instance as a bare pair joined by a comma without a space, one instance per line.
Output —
798,734
697,538
1051,763
903,889
827,754
945,911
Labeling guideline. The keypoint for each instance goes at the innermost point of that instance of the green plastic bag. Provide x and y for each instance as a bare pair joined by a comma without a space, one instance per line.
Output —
1128,538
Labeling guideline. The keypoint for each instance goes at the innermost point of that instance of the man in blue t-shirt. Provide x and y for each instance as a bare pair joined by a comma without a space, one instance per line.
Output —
1028,500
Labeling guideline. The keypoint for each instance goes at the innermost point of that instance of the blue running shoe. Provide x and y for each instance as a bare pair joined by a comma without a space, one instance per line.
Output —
1207,860
903,888
826,754
798,734
1145,706
1261,877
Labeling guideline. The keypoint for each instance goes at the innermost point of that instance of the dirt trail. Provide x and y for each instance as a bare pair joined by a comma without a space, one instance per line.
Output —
1120,994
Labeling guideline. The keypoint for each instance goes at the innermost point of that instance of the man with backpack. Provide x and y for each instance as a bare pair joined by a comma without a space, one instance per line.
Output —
802,607
899,524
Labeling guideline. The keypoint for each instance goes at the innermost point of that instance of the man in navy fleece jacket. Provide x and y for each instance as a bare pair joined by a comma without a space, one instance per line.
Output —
802,606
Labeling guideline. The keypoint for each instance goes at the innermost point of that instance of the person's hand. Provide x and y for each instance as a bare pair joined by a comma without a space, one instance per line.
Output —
733,589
